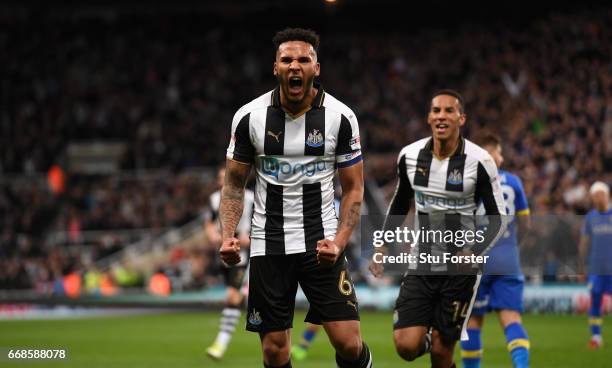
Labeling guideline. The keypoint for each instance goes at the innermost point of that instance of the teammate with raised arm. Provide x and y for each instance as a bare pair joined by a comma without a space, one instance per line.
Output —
447,176
296,136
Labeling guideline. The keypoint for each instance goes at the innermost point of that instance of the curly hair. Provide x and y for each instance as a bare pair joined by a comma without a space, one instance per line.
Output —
297,34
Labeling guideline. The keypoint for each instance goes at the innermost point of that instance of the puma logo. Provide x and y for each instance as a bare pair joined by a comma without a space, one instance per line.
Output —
422,170
351,304
276,136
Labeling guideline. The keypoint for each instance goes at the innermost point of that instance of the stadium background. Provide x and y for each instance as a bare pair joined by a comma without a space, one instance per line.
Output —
114,117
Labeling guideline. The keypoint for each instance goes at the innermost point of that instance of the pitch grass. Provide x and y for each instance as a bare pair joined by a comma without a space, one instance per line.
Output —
179,340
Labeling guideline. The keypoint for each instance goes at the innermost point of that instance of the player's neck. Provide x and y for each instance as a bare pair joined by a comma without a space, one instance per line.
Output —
603,209
443,148
297,109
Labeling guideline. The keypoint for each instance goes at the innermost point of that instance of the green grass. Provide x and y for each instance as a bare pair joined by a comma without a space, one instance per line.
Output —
179,340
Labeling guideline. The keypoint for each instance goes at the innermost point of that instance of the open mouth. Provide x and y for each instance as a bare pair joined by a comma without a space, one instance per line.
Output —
441,127
295,84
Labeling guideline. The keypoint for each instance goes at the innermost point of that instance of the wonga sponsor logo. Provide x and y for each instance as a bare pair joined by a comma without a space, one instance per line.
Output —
274,167
425,199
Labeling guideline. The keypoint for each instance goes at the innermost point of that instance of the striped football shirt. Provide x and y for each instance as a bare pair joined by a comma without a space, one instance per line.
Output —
295,159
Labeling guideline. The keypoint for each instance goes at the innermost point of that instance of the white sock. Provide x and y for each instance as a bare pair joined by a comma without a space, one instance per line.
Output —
229,319
223,338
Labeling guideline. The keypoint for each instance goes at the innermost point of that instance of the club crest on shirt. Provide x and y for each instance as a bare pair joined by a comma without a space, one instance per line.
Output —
455,177
315,139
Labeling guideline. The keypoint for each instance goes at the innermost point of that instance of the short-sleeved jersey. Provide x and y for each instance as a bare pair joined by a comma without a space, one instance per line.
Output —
295,159
598,228
515,199
455,185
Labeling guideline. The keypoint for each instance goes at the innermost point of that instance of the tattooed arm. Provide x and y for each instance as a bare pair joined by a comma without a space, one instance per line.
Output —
351,180
230,210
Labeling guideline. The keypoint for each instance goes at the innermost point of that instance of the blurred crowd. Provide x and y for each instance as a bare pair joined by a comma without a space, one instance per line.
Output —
44,235
168,88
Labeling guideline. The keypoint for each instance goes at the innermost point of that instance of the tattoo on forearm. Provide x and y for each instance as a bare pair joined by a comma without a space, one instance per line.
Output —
232,204
352,217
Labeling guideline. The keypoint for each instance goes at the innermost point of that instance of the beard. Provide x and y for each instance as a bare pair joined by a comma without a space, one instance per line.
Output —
307,85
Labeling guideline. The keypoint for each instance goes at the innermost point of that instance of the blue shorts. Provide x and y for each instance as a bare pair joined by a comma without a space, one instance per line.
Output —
600,284
499,292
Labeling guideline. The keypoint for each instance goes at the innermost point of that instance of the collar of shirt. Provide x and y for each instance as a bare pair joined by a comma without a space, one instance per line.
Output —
458,151
317,101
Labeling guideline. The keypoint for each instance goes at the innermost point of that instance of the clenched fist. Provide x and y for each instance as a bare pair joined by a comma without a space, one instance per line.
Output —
327,252
230,251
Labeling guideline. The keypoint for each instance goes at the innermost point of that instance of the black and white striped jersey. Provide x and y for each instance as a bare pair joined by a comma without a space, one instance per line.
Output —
295,160
456,184
447,194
